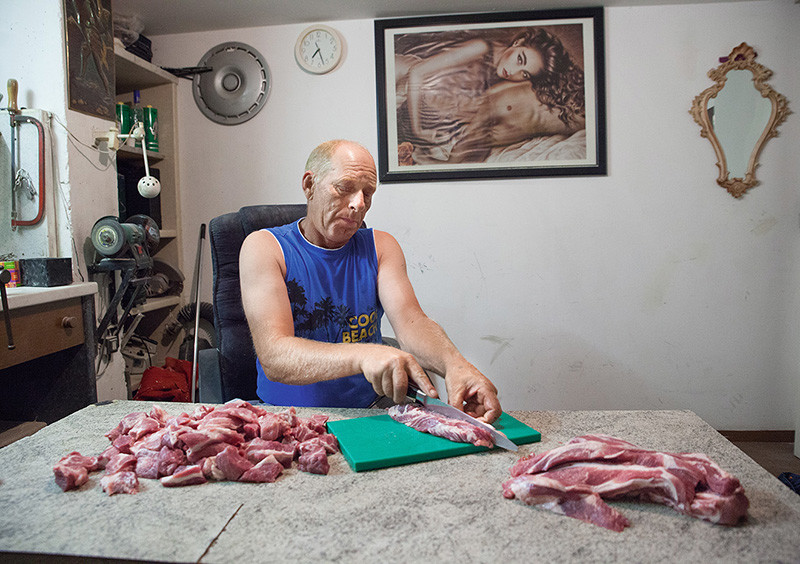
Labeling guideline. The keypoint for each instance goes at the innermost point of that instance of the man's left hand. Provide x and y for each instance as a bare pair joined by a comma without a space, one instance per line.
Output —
472,392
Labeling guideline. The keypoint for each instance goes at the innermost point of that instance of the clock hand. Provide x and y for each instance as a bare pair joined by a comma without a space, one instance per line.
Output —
320,54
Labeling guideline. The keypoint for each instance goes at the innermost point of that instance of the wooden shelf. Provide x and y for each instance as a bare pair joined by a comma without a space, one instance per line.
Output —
127,153
134,73
159,89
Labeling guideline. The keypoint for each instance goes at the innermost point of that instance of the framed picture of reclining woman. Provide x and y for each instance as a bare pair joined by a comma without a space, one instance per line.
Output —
496,95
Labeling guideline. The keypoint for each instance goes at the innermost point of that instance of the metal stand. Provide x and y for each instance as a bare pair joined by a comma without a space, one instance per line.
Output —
130,267
197,307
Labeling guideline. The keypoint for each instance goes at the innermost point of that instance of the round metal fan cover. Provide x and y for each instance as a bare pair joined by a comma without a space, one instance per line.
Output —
236,88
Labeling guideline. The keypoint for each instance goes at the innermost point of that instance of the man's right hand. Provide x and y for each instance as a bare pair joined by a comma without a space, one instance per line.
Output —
389,370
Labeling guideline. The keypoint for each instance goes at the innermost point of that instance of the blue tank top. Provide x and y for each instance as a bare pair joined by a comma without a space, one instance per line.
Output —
334,299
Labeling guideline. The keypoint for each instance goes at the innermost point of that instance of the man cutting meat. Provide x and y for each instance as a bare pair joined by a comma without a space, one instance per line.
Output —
314,292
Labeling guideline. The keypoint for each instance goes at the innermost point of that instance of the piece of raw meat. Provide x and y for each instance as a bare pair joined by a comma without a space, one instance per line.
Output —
572,479
106,455
326,441
147,464
232,464
210,469
123,443
313,458
169,459
91,463
259,449
144,426
120,482
184,476
272,427
70,477
267,470
72,471
602,448
434,423
121,463
576,501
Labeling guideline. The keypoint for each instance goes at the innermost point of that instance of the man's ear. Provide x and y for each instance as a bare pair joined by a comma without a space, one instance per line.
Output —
308,184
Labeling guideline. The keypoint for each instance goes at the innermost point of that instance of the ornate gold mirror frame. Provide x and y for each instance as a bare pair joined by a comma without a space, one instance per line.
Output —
741,58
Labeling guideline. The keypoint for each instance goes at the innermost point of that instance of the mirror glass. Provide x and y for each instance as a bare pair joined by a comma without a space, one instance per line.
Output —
737,115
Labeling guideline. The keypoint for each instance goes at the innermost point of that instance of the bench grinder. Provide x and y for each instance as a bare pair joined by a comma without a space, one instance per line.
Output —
125,247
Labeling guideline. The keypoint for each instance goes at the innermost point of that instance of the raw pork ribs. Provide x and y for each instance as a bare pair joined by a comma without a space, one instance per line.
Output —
434,423
573,480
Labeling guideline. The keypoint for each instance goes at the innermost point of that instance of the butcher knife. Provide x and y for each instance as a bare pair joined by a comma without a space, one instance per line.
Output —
446,410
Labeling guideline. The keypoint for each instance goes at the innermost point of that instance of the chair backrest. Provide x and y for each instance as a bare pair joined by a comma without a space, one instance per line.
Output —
237,357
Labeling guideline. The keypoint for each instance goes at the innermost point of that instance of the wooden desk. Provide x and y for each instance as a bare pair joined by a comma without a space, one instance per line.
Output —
50,373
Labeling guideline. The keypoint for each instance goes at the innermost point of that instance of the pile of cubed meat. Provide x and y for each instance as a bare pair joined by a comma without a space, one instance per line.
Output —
237,441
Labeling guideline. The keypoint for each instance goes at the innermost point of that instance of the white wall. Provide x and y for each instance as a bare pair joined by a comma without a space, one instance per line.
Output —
34,68
650,288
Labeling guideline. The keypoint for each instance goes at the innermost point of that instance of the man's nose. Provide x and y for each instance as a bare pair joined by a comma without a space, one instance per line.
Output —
357,202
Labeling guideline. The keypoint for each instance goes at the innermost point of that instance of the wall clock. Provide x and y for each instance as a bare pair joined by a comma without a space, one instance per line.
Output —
319,49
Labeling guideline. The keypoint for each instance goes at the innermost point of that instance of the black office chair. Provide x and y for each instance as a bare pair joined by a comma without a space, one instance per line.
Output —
229,371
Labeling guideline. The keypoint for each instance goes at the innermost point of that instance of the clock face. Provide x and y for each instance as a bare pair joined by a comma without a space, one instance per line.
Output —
318,49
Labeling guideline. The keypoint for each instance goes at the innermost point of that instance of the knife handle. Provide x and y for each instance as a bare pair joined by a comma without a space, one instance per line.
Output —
416,394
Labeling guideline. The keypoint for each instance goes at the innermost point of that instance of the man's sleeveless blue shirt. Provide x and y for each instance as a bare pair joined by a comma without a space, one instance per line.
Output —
334,299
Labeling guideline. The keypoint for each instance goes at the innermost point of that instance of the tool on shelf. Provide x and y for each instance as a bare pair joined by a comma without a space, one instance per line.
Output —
19,177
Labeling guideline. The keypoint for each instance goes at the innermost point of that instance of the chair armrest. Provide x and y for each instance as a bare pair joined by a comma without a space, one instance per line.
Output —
210,379
390,341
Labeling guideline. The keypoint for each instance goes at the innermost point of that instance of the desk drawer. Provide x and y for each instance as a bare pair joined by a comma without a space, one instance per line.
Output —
41,330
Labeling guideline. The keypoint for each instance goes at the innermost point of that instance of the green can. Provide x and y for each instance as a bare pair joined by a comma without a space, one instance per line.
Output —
150,128
124,118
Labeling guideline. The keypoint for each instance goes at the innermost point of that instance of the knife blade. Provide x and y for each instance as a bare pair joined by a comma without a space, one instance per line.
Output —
446,410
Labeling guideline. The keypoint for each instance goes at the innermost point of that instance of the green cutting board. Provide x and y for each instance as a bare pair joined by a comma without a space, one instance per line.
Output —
369,443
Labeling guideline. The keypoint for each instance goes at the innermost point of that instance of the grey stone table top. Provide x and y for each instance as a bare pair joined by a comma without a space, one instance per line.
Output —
449,510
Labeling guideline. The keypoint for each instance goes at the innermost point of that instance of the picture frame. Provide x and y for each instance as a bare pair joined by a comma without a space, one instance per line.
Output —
89,34
495,95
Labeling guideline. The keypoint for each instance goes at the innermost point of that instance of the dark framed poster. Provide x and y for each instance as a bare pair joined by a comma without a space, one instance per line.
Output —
89,32
497,95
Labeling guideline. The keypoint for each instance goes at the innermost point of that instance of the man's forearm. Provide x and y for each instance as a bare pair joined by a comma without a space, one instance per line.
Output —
298,361
433,349
293,360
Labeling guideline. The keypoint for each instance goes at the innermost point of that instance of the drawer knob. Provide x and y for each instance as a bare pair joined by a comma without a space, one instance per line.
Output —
69,322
